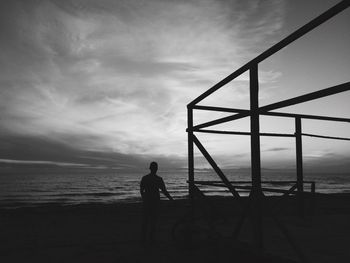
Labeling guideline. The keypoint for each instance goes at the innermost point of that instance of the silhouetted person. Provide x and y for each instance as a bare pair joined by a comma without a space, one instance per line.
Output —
149,189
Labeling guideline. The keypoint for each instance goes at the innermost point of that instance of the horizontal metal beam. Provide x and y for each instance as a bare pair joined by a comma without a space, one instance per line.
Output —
276,114
285,103
246,133
306,116
249,182
275,48
326,137
264,189
307,97
223,132
221,109
271,190
221,120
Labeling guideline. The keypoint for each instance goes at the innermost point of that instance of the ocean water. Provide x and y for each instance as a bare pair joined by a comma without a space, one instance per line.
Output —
70,187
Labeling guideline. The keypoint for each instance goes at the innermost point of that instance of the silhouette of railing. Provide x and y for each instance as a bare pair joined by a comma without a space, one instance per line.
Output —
256,190
244,185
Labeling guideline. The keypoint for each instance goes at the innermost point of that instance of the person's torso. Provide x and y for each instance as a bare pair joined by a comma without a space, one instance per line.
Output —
151,184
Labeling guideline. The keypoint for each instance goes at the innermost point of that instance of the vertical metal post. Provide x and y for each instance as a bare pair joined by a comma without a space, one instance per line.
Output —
256,193
190,173
190,152
299,164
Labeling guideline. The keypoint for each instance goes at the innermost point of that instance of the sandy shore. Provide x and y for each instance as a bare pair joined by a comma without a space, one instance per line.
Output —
110,233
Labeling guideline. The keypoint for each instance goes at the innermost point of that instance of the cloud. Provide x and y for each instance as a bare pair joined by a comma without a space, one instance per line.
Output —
115,76
319,154
277,149
35,162
43,152
326,162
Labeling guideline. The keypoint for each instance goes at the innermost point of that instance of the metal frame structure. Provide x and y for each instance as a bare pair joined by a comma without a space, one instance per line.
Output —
256,190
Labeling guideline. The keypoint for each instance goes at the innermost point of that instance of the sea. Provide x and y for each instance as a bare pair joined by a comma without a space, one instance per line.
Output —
27,188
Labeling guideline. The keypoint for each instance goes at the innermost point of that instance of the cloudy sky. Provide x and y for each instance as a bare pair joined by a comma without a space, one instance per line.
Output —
105,83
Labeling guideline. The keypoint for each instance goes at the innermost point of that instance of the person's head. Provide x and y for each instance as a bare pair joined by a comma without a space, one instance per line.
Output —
153,167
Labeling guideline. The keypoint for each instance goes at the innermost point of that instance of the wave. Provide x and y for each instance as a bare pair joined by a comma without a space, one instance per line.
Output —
99,188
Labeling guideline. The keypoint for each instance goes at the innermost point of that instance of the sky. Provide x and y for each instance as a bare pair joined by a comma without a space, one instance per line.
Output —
105,84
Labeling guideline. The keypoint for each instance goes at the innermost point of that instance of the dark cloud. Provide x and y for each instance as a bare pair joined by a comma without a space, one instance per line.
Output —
41,152
331,163
277,149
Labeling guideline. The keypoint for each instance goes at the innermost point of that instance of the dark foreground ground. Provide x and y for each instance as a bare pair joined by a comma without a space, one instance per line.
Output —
110,233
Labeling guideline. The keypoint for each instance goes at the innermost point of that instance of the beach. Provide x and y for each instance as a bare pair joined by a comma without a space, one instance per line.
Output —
238,111
111,233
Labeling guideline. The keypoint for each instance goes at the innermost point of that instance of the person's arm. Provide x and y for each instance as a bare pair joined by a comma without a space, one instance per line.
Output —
164,191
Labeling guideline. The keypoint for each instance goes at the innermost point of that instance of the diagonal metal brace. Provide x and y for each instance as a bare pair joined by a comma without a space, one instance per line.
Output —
216,168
